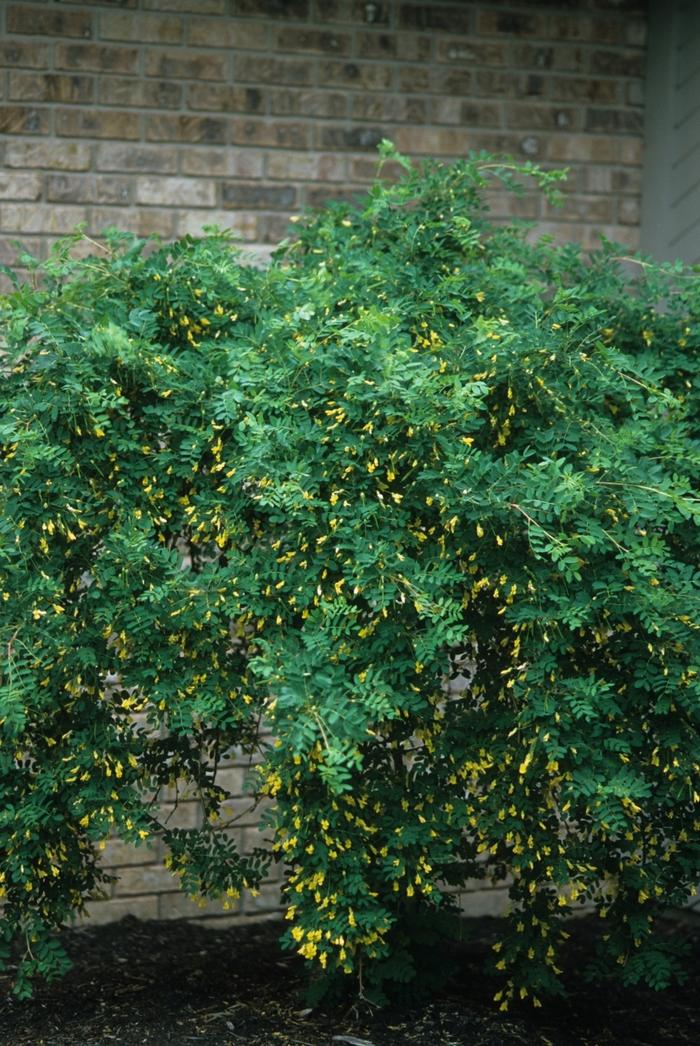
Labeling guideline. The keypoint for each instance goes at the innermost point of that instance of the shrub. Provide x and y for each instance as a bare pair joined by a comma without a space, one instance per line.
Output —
420,446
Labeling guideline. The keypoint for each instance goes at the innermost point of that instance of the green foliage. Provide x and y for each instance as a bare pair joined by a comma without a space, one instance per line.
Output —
418,447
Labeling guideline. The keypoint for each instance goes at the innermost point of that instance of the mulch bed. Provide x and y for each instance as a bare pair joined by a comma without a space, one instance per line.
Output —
180,982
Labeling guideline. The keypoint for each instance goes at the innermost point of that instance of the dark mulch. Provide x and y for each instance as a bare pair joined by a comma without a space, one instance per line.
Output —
137,983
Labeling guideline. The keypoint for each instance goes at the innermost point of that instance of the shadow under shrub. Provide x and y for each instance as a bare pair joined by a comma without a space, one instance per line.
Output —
418,447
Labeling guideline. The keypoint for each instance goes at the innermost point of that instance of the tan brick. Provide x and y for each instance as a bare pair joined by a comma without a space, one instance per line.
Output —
317,196
179,906
98,57
507,205
491,22
87,188
269,69
182,814
471,51
309,103
257,196
158,159
484,902
117,852
298,9
176,192
141,28
145,221
148,94
224,98
96,123
629,210
30,218
596,209
198,7
68,156
209,32
267,899
530,116
559,58
16,186
311,41
571,89
185,65
596,149
615,121
358,137
169,128
20,54
389,107
469,114
364,169
627,235
242,163
50,87
145,879
47,21
232,778
370,76
20,119
10,249
305,166
100,912
430,15
427,140
283,134
618,63
244,224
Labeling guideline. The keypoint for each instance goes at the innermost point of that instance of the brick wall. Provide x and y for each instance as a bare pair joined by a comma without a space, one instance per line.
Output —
164,115
161,115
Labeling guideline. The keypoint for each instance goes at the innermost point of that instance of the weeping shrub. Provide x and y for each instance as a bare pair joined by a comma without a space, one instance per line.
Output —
421,498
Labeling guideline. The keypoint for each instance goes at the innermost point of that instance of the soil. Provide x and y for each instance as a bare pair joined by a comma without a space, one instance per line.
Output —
180,982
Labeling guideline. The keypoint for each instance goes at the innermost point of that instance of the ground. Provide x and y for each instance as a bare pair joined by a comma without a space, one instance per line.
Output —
179,983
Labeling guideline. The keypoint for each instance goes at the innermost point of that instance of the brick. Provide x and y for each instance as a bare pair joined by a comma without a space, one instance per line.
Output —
245,225
598,209
636,31
432,140
255,196
23,55
223,98
97,913
177,192
10,250
541,117
141,28
68,156
305,166
484,902
363,169
118,852
311,41
146,879
618,63
297,9
197,7
87,188
511,23
615,121
370,76
377,45
282,134
17,119
186,129
186,65
319,195
559,58
274,227
50,87
96,123
414,78
266,69
635,92
179,906
625,180
570,89
333,104
209,32
331,137
148,94
596,149
435,16
457,82
20,186
30,218
241,163
32,19
627,235
507,205
470,114
233,779
115,157
629,210
353,11
98,57
476,52
395,108
268,898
